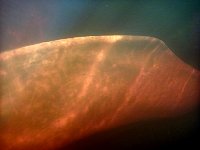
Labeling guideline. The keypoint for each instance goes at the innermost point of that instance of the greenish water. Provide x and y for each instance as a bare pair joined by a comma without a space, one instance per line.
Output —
176,22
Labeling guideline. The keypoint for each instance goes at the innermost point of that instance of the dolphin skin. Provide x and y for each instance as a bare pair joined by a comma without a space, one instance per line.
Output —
56,93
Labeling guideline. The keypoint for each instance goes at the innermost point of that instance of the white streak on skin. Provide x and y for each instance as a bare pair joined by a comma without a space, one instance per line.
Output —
100,57
135,85
139,78
69,116
91,73
61,122
183,87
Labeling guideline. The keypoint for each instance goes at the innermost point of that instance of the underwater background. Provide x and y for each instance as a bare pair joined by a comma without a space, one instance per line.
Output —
176,22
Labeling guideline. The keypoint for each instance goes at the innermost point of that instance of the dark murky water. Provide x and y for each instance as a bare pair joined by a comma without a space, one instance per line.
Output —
175,22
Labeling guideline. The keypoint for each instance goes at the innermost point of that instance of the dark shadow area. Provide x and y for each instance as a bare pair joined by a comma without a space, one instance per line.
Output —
178,132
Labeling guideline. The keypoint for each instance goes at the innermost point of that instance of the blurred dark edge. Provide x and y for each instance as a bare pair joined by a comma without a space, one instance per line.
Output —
170,133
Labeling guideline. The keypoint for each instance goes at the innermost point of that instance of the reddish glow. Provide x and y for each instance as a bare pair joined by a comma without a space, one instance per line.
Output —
70,88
